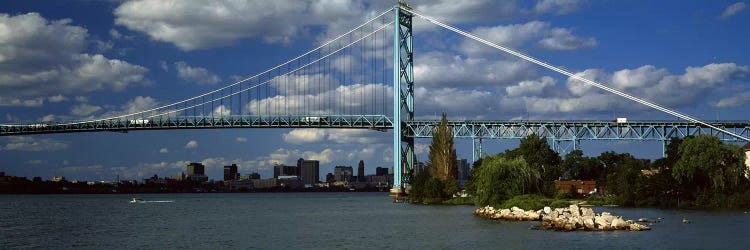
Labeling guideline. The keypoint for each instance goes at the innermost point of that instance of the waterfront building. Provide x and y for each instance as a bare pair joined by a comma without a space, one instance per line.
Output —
381,171
240,185
330,178
254,176
279,170
230,173
291,181
58,178
747,159
581,187
361,171
196,172
264,183
309,171
343,173
462,166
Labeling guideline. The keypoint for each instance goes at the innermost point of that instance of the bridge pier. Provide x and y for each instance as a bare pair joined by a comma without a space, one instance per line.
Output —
403,100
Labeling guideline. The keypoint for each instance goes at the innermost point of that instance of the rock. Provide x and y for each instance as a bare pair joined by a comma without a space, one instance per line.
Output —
548,210
588,223
686,221
642,220
619,223
535,215
587,212
574,210
638,227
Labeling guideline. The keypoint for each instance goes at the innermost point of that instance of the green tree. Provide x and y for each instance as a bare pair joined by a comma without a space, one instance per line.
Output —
706,163
576,166
470,186
500,178
538,154
442,153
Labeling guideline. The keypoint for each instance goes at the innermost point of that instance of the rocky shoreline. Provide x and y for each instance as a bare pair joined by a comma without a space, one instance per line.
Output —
572,218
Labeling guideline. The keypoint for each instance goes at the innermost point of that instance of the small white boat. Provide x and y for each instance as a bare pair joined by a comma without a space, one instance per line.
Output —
136,200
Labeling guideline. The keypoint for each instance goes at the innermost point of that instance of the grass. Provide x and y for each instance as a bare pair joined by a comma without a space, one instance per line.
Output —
534,202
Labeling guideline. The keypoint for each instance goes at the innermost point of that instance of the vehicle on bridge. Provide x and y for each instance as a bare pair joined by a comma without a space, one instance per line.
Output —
314,119
138,122
620,120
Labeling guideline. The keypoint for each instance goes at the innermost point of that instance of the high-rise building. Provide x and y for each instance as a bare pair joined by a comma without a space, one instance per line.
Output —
381,171
196,168
343,173
330,178
309,171
196,172
230,173
282,170
361,171
462,166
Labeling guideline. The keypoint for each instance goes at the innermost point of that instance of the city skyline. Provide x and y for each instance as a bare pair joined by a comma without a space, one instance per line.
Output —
99,58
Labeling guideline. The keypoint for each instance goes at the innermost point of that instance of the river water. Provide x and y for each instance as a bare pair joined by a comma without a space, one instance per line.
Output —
325,220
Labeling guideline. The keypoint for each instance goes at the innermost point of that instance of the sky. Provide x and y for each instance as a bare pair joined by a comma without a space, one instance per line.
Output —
83,59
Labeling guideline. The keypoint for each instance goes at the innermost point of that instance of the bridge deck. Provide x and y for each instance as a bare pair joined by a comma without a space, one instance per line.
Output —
488,129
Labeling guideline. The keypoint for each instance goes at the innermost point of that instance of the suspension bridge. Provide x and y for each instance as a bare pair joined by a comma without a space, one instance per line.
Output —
358,81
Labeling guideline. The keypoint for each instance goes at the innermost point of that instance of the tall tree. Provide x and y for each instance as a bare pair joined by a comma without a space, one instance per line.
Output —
442,152
706,163
537,153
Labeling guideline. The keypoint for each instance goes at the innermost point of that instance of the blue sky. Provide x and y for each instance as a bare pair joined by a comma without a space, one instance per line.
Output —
72,60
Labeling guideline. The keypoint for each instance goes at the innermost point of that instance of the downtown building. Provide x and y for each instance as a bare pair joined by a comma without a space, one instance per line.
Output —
309,172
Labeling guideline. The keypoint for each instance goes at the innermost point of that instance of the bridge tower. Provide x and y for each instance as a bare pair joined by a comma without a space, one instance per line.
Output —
403,99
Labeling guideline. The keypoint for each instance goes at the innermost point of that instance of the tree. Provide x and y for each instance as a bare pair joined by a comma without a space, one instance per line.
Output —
538,154
576,166
705,163
500,178
442,153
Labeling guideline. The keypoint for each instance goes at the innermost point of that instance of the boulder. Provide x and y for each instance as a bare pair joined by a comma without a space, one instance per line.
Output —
574,210
619,223
638,227
547,210
588,223
642,220
587,211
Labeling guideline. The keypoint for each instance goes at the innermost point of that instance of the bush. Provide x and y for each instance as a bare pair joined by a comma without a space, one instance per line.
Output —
499,179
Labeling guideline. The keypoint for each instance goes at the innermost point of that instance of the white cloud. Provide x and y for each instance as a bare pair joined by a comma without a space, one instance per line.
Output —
81,99
542,87
48,118
164,66
302,136
222,110
733,101
114,34
164,150
732,10
57,98
195,74
516,35
346,99
241,139
198,25
191,145
557,6
438,69
646,82
563,39
84,109
25,143
341,136
46,58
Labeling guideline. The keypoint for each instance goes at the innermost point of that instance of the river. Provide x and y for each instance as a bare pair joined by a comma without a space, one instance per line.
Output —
325,220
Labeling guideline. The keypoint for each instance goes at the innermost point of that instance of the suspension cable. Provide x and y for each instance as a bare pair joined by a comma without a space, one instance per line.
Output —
572,75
